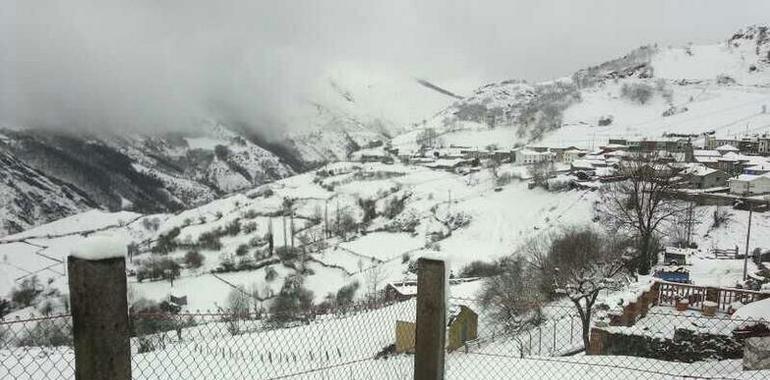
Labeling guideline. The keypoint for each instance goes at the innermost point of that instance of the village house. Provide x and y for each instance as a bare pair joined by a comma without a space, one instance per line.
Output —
749,184
727,148
462,326
526,156
702,177
570,155
707,157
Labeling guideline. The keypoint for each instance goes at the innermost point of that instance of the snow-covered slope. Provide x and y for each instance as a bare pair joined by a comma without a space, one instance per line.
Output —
28,197
352,106
69,172
723,87
399,213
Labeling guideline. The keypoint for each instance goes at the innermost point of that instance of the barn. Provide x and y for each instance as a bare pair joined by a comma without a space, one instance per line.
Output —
462,326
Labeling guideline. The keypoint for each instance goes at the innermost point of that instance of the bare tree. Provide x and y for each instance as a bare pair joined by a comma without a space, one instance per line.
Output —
642,203
238,304
426,137
513,298
375,275
584,262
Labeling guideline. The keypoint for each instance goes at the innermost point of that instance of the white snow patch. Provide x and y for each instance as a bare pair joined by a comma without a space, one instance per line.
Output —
100,248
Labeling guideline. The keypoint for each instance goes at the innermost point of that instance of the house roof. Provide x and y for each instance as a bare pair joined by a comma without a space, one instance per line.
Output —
699,171
705,153
728,148
582,164
705,159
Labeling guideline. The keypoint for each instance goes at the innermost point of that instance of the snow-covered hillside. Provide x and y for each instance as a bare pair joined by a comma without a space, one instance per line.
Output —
352,106
347,109
403,213
723,87
72,172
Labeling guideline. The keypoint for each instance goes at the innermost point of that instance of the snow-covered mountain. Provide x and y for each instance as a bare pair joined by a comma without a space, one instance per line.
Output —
653,90
172,171
50,175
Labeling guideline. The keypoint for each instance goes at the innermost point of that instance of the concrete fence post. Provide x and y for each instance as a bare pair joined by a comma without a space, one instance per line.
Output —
100,318
430,332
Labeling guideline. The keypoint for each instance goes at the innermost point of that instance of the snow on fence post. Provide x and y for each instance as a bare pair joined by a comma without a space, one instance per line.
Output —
99,308
430,332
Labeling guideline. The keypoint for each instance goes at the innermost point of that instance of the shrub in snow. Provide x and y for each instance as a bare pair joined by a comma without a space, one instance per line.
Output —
166,242
270,274
151,224
637,92
287,253
346,224
26,292
292,303
406,221
233,228
5,307
242,250
249,227
157,268
346,294
481,269
725,79
458,220
193,259
149,321
721,216
250,214
48,333
210,240
394,206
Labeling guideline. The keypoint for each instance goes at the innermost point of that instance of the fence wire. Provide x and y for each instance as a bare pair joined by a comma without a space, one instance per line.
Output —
37,348
662,344
376,341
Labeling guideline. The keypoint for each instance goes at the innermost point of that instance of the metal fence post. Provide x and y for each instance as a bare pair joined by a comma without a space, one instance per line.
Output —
100,318
430,333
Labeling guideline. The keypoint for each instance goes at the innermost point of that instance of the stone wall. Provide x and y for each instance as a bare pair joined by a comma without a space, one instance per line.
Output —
756,354
686,346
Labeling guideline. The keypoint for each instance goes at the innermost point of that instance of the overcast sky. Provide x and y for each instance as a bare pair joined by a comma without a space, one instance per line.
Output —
158,63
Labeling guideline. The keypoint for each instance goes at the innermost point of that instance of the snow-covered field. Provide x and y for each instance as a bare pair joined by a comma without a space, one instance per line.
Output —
491,233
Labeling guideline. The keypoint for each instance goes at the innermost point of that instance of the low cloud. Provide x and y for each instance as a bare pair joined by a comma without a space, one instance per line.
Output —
150,65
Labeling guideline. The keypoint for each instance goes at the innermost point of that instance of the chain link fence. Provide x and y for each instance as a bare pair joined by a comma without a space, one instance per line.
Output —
662,344
356,341
37,348
376,341
349,342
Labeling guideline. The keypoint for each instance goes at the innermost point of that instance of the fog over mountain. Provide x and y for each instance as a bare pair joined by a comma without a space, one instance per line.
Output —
161,65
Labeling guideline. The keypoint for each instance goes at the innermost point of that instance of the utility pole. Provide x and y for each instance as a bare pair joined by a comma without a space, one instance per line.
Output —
449,205
690,221
748,231
337,220
326,219
283,219
748,237
270,235
291,227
